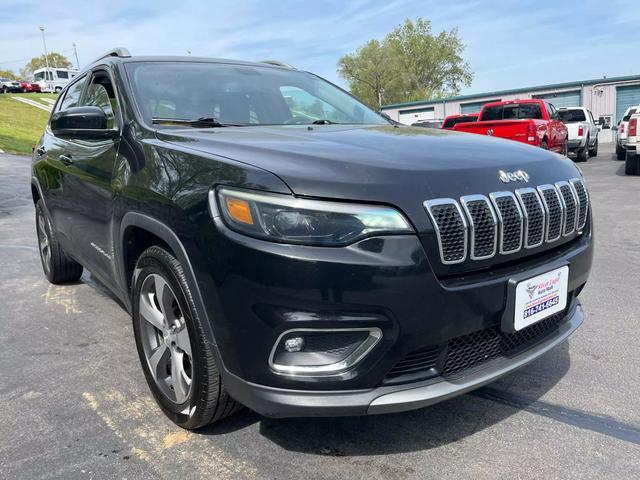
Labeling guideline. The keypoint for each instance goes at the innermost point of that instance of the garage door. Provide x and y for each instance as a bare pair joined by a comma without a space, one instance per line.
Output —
474,107
562,99
626,97
409,117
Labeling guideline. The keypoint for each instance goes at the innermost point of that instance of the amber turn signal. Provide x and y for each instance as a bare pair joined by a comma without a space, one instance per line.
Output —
239,210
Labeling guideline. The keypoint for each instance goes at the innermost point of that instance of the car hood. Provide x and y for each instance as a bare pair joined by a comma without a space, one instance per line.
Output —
402,166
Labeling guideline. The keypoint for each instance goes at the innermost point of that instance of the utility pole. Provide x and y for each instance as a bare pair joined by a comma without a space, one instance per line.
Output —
75,52
46,58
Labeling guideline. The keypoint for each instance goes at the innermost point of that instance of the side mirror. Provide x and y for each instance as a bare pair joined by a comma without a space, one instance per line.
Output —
614,128
84,123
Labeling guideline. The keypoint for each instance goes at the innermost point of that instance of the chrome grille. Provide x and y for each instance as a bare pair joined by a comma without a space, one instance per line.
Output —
451,229
510,220
483,225
570,206
583,201
554,211
505,222
534,217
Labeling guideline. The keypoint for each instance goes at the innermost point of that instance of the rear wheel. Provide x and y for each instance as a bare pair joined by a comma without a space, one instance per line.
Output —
632,164
544,145
582,153
620,152
57,265
178,362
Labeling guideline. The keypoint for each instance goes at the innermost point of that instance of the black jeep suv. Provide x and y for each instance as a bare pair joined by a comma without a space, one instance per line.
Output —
282,246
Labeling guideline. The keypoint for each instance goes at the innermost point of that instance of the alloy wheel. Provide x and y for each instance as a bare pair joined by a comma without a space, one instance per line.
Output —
44,244
165,339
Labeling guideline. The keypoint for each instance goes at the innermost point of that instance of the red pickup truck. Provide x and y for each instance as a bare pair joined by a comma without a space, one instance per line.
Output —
534,121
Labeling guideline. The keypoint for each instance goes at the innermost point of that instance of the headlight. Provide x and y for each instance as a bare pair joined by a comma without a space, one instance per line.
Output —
284,218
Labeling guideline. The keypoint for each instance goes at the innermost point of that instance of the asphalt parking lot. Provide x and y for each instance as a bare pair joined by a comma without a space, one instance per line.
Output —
75,403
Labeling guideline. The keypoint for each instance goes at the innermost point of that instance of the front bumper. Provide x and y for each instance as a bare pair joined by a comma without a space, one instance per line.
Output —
274,402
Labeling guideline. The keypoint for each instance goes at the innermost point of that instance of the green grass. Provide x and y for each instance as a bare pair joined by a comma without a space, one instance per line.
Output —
21,125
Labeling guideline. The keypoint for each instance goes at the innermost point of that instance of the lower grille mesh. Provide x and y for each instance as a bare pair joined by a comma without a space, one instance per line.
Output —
482,346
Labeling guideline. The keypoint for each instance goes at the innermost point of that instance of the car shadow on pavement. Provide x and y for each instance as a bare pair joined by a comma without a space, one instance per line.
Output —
418,430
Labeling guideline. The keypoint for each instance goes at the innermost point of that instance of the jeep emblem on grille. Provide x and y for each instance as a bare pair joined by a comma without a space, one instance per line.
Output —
517,176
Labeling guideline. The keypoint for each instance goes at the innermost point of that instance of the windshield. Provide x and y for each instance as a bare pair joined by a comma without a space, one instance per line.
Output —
571,116
241,95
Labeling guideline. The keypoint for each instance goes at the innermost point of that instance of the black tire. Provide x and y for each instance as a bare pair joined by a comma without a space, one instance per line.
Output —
207,401
57,90
565,147
5,90
593,152
620,152
544,145
632,164
58,267
582,153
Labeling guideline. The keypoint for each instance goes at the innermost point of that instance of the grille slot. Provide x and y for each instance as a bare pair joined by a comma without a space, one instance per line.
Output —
483,226
554,211
483,346
451,229
583,201
570,207
510,221
533,217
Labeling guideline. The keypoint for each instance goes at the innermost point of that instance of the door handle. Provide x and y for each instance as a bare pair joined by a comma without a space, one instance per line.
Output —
41,151
66,159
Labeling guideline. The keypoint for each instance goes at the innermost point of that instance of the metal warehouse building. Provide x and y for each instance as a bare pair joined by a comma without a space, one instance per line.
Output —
607,98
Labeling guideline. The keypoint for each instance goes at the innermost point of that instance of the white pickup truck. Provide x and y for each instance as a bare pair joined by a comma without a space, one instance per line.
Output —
582,132
621,131
632,147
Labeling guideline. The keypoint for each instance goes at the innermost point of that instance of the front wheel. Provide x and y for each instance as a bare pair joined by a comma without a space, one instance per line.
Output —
178,362
544,145
58,90
594,151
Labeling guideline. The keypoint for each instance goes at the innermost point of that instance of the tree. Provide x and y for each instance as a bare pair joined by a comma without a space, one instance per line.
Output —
8,74
370,72
56,60
410,63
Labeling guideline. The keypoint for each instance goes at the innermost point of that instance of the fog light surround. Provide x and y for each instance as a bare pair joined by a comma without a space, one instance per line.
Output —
302,351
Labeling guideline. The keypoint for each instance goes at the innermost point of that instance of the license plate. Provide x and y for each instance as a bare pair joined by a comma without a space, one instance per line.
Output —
539,297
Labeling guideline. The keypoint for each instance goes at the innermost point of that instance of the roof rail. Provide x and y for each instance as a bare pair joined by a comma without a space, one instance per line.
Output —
114,52
278,64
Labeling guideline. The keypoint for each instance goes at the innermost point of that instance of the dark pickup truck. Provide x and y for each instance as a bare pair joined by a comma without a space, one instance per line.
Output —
534,122
280,245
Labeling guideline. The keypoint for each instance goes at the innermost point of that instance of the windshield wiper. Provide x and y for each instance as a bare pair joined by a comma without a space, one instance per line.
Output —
322,121
202,122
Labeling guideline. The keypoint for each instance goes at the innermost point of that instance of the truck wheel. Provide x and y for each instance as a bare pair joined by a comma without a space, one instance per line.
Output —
58,89
582,154
620,152
544,145
594,151
632,164
177,360
57,266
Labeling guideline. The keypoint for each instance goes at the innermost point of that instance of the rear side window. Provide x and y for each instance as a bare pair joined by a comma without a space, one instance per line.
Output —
62,74
628,115
492,113
571,116
72,97
454,121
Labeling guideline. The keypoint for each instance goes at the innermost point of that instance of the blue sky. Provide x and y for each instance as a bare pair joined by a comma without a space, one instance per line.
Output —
510,43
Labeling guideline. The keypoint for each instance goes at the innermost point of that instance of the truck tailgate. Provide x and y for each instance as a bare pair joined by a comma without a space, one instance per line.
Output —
511,129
